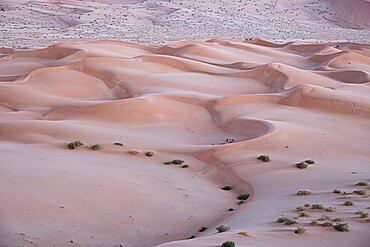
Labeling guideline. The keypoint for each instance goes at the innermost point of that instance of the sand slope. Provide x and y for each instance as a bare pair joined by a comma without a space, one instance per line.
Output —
292,101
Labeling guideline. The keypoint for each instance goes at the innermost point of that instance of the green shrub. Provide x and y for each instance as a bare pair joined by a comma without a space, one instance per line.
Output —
324,217
317,206
360,212
301,165
118,144
227,187
282,219
364,215
175,162
168,163
362,183
338,219
336,191
299,209
310,162
202,229
327,223
223,228
290,222
299,230
228,244
185,166
264,158
191,237
342,227
243,197
75,144
360,192
150,153
313,222
304,192
307,205
95,147
303,214
330,209
231,209
241,202
348,203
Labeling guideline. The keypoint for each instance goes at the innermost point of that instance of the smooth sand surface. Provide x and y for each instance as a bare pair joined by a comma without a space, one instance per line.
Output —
292,101
41,23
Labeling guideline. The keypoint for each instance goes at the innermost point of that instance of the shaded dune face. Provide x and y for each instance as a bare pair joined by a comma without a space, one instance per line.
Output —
124,84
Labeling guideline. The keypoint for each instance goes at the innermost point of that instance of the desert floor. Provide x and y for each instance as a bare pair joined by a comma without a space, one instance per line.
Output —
216,104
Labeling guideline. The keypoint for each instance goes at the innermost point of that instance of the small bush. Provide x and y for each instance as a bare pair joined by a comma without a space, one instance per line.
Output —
243,197
299,209
191,237
228,244
344,192
133,152
168,163
185,166
118,144
299,230
348,203
327,223
360,192
303,214
227,187
75,144
336,191
338,219
313,222
318,206
175,162
150,153
301,165
241,202
282,219
310,162
264,158
231,209
307,205
364,215
95,147
342,227
360,212
304,192
223,228
324,217
362,183
290,222
202,229
330,209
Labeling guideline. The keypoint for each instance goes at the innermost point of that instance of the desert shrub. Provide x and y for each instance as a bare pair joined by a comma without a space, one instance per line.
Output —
338,219
299,230
75,144
175,162
348,203
241,202
360,192
304,192
301,165
336,191
313,222
227,187
282,219
360,212
228,244
95,147
223,228
264,158
150,153
344,192
307,205
185,166
310,162
324,217
364,215
118,144
317,206
231,209
133,152
362,183
303,214
168,163
202,229
243,197
191,237
327,223
342,227
330,209
299,209
290,222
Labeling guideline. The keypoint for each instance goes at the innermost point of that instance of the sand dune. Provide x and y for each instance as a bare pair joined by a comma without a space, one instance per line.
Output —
293,101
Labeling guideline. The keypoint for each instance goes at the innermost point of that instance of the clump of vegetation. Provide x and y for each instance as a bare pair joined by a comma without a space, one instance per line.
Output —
324,217
264,158
191,237
336,191
133,152
327,223
317,206
342,227
231,209
227,187
95,147
223,228
299,230
310,162
362,183
241,202
286,220
303,214
301,165
304,192
364,215
202,229
344,192
307,205
330,209
150,153
228,244
243,197
348,203
338,219
75,144
185,166
118,144
175,162
360,192
360,212
299,209
313,222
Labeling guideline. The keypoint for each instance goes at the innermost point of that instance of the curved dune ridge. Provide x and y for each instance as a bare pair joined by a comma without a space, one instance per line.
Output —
216,104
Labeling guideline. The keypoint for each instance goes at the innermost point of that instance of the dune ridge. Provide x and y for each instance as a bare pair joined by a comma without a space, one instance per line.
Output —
187,100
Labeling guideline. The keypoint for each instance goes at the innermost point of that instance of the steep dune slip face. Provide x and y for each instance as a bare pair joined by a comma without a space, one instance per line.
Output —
217,105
